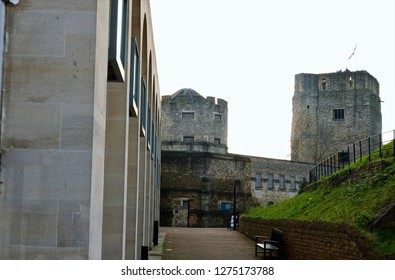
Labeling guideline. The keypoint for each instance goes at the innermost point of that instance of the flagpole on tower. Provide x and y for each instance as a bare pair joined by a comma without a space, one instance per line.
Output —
351,55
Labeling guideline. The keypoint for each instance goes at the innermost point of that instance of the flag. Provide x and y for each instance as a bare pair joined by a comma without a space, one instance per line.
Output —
353,52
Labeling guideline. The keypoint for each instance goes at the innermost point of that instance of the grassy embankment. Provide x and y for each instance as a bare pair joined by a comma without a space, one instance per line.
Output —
356,195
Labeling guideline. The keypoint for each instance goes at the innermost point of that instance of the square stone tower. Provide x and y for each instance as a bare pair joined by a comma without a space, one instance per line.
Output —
331,111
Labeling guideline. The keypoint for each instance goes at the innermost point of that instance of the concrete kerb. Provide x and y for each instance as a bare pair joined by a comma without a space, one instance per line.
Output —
157,251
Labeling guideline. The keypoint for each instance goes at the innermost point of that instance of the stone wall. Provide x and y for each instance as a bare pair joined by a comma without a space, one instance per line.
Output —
312,240
273,180
316,132
188,114
207,181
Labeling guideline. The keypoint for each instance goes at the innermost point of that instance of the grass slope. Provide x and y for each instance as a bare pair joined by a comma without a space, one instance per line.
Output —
356,196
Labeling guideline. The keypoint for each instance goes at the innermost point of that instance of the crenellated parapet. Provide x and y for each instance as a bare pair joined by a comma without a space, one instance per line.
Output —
332,110
191,122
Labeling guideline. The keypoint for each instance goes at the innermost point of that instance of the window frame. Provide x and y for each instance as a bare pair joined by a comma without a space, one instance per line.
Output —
188,115
188,139
134,80
281,180
218,117
293,184
338,114
270,182
143,109
118,38
258,180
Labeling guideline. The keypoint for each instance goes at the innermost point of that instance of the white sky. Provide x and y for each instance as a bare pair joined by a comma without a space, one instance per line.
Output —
248,52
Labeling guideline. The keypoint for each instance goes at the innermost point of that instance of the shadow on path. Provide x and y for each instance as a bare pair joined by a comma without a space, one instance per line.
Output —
206,244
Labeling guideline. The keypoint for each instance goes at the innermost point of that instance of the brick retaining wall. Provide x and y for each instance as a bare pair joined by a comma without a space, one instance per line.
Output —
312,240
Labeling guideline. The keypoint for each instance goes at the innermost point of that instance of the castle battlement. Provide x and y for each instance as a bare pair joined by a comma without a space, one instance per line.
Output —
338,81
191,122
331,110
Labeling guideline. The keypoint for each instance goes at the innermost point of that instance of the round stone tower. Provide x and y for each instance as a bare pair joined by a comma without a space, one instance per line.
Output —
190,122
331,111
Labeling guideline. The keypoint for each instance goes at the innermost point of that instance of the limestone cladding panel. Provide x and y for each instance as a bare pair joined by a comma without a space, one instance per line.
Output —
48,124
45,200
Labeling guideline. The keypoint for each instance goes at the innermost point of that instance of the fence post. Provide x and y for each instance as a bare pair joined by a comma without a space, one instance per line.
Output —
369,147
353,150
319,170
348,155
393,137
327,167
360,150
380,143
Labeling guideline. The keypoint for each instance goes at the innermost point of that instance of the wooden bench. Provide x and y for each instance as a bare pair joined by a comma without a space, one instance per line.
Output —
270,247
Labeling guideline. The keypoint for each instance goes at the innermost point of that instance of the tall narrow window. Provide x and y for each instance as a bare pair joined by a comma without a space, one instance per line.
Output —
350,82
134,80
149,127
293,184
153,139
143,111
270,182
258,180
282,183
323,84
338,114
117,37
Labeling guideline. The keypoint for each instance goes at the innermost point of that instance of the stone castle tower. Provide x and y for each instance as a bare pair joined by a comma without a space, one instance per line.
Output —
331,111
191,122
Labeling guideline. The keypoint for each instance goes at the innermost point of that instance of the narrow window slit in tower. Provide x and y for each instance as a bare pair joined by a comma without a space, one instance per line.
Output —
323,83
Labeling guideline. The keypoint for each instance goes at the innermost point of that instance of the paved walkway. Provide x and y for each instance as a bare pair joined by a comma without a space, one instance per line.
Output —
203,244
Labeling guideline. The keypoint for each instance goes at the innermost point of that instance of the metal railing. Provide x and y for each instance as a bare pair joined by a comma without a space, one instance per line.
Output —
367,149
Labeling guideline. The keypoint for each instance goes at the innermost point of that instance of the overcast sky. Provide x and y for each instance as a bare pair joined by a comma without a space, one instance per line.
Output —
248,52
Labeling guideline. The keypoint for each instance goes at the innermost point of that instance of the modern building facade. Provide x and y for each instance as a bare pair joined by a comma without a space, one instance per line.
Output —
80,137
331,111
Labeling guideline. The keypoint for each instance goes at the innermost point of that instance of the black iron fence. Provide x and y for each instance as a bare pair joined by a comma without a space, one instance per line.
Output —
367,149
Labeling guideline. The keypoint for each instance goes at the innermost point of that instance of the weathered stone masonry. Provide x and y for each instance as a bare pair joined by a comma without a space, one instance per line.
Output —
207,181
199,176
312,240
331,111
274,180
